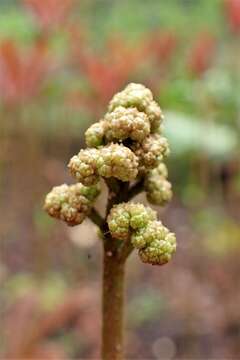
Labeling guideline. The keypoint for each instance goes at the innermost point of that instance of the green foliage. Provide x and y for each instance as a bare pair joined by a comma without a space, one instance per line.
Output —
145,307
192,135
15,24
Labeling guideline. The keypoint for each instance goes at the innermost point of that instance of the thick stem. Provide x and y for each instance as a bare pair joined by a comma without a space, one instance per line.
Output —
112,307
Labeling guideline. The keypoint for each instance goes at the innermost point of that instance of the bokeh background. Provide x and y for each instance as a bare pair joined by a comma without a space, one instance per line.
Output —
60,63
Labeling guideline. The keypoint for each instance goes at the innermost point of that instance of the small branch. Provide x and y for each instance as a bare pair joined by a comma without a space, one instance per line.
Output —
135,189
96,218
125,251
112,184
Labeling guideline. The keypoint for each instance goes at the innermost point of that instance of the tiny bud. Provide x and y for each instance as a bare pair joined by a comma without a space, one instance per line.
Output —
117,161
151,151
84,166
157,187
94,135
70,203
125,218
155,242
124,123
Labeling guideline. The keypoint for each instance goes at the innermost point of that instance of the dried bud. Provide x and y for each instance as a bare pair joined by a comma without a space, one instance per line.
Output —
70,203
155,242
117,161
84,166
94,135
127,217
151,151
158,188
124,123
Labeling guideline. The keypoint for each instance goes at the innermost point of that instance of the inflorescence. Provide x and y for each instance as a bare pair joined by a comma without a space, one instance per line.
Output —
126,144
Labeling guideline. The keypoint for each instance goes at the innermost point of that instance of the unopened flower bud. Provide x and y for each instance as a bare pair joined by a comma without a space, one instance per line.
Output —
125,218
158,188
117,161
94,136
70,203
118,222
140,215
84,166
123,123
134,95
155,242
155,115
151,151
140,97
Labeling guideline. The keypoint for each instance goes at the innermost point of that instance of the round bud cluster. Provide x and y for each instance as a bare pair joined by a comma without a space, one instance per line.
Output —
137,223
157,187
151,152
84,166
114,160
123,123
126,144
133,120
125,218
156,244
70,203
138,96
94,135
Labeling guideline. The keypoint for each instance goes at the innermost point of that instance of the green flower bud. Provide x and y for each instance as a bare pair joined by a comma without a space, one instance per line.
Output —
155,115
94,136
118,222
134,95
84,166
70,203
151,151
155,243
140,215
158,189
127,217
117,161
138,96
161,170
124,123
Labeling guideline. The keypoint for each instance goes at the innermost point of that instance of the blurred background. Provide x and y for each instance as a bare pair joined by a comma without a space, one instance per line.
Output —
60,63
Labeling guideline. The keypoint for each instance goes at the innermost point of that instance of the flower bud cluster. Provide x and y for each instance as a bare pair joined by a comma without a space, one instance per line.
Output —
125,218
133,122
114,160
126,144
138,96
137,223
158,188
155,242
70,203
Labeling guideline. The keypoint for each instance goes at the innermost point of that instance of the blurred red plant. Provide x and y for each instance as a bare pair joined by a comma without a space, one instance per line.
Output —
108,71
162,46
50,13
232,10
22,74
33,327
201,54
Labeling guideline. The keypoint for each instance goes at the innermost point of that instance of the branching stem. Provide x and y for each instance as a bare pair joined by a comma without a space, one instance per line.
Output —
96,218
